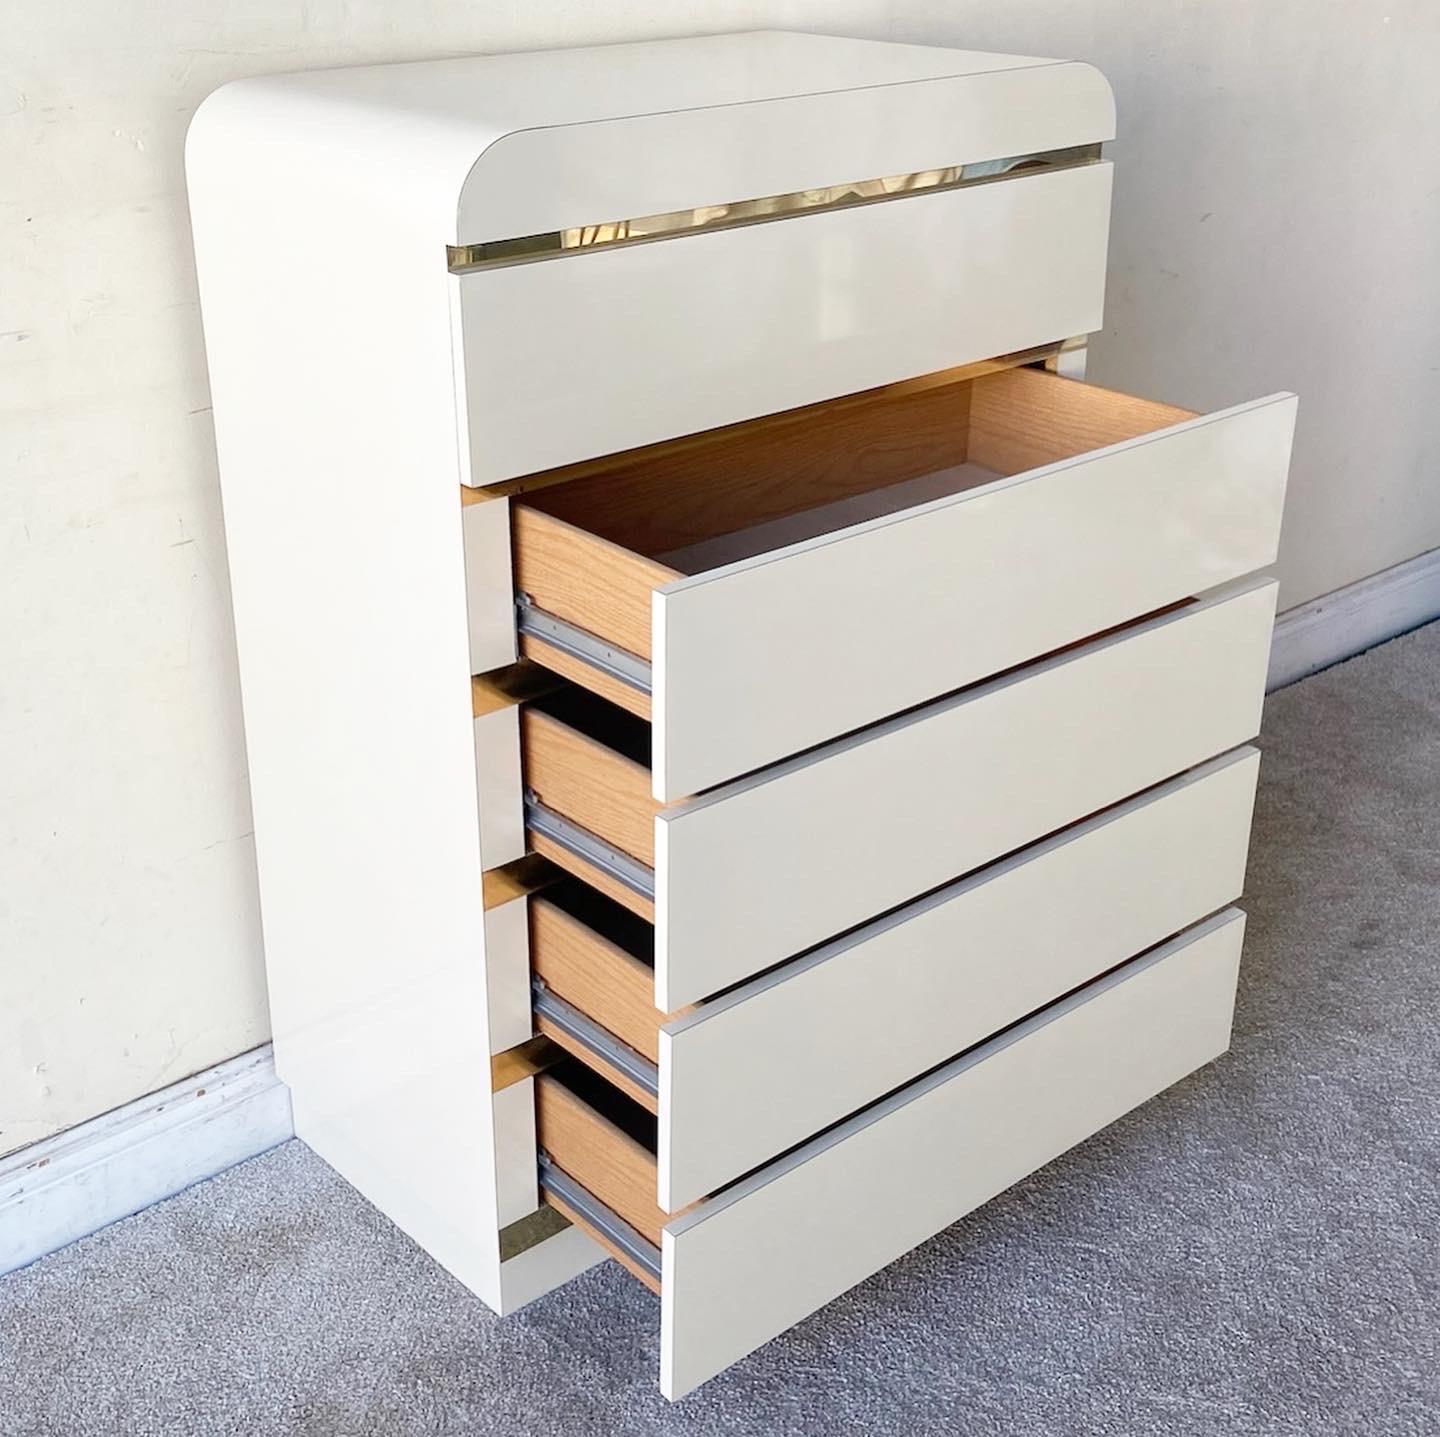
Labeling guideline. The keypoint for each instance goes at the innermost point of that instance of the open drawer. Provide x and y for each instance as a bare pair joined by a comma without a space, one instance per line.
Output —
761,589
738,1269
758,871
738,1081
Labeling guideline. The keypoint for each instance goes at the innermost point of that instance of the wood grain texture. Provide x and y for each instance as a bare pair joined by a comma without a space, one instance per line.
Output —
595,877
620,1256
1023,418
598,976
600,1157
579,545
752,473
630,699
597,1063
589,784
779,653
584,579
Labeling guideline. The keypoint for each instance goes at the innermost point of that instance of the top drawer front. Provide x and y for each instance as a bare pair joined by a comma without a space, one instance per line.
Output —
582,356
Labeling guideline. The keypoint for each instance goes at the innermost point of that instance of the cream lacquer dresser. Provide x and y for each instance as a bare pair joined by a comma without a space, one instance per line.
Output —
749,751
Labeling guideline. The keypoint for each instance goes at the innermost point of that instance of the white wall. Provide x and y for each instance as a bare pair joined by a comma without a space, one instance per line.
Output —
129,928
1277,226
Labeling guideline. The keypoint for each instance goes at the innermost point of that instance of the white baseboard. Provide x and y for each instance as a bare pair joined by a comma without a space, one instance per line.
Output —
89,1176
1337,626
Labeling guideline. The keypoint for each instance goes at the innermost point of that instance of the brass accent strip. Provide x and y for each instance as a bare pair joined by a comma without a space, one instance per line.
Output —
675,224
518,879
507,688
1069,360
525,1060
531,1231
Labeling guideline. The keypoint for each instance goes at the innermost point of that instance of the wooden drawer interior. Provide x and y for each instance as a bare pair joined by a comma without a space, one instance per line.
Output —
600,957
606,1143
593,964
588,760
592,542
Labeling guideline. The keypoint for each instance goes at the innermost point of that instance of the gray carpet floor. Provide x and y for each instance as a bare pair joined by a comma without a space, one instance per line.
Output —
1256,1251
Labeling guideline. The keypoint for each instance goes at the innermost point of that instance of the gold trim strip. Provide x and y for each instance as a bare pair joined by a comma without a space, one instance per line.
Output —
526,1060
507,688
518,880
531,1231
559,244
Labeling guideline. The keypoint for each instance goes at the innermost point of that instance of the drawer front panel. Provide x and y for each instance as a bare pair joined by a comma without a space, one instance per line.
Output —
749,1076
607,351
848,629
740,1269
762,870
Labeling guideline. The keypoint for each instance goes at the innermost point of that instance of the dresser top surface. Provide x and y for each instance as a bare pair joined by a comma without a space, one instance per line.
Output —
482,147
507,93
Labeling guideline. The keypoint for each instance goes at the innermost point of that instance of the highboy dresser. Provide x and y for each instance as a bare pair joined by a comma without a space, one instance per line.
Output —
749,751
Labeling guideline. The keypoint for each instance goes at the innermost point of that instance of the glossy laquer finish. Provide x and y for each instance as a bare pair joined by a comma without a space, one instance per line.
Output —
761,870
740,1269
577,357
847,629
331,373
746,1077
587,137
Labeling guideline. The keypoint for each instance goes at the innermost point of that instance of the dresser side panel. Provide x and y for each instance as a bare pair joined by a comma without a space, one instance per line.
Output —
331,376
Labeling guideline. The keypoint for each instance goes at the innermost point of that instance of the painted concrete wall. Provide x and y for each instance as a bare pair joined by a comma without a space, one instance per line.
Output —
129,926
1277,226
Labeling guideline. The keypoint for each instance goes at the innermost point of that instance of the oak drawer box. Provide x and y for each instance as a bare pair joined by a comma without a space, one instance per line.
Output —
778,586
